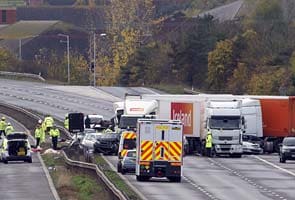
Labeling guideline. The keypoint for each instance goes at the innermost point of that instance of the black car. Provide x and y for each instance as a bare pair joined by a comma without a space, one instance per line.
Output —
287,149
107,144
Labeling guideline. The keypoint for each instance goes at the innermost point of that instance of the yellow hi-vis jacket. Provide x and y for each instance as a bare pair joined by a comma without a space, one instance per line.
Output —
54,132
48,122
209,140
66,123
9,129
3,125
39,133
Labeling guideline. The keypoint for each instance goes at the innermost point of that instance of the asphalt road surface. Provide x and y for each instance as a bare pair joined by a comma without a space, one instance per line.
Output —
23,181
203,178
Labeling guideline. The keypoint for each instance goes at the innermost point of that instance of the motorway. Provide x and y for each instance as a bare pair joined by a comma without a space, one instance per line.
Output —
251,177
23,181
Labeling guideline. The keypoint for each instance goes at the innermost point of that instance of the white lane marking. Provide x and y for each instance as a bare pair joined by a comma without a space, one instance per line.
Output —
275,166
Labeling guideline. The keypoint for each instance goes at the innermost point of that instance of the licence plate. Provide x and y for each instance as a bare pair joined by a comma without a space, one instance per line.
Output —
293,156
21,153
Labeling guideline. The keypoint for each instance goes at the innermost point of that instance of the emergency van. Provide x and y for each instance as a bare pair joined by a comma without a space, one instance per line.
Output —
159,149
127,142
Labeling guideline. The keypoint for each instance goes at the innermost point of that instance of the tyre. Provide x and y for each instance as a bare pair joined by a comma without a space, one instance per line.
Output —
282,159
142,178
5,161
123,171
119,168
30,160
175,179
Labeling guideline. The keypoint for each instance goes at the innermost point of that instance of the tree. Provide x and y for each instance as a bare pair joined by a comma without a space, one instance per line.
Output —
79,69
130,22
267,82
220,65
237,84
7,60
192,57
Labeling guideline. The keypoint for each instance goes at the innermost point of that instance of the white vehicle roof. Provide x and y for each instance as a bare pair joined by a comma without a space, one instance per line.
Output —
95,116
140,107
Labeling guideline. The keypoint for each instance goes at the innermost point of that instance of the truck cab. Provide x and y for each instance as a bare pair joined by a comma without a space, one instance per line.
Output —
225,121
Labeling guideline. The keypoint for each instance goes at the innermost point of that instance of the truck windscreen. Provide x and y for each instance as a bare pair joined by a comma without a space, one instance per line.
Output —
129,144
224,122
130,122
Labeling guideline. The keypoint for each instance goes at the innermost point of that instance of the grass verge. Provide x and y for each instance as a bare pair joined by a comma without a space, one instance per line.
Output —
72,184
115,178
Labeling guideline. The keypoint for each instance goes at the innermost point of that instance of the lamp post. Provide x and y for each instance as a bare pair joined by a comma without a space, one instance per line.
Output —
68,53
94,56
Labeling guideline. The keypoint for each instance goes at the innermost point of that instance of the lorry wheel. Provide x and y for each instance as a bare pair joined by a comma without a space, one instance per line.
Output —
142,178
175,179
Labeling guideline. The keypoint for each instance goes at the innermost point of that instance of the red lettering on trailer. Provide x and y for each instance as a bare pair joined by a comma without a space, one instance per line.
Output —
185,113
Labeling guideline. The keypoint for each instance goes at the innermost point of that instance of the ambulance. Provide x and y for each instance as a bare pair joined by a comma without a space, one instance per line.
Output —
159,149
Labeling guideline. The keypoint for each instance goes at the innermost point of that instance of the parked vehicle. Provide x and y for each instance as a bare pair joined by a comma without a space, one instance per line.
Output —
128,163
251,148
81,135
287,149
16,147
159,149
89,140
108,143
95,121
131,109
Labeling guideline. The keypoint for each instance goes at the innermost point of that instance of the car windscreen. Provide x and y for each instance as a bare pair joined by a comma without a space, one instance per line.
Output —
224,122
129,144
130,122
109,136
289,142
95,120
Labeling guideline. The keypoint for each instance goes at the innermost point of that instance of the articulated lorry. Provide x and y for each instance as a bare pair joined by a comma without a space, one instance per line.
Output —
270,118
223,118
194,107
159,149
278,114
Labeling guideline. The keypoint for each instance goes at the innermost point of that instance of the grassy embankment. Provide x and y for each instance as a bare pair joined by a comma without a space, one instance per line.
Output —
72,184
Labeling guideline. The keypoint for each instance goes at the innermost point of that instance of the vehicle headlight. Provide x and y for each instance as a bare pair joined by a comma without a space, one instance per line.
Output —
97,142
285,150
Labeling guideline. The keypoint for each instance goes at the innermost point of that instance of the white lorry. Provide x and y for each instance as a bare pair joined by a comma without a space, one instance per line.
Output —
159,149
191,110
128,112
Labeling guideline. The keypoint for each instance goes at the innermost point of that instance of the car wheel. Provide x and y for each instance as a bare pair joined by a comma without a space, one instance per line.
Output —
123,171
30,160
119,168
5,161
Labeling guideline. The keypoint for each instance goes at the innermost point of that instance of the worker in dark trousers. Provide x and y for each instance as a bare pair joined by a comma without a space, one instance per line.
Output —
54,133
3,126
209,144
87,122
38,133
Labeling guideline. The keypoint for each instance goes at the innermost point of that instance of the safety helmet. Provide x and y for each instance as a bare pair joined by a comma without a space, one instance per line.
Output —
8,123
67,115
3,118
39,121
